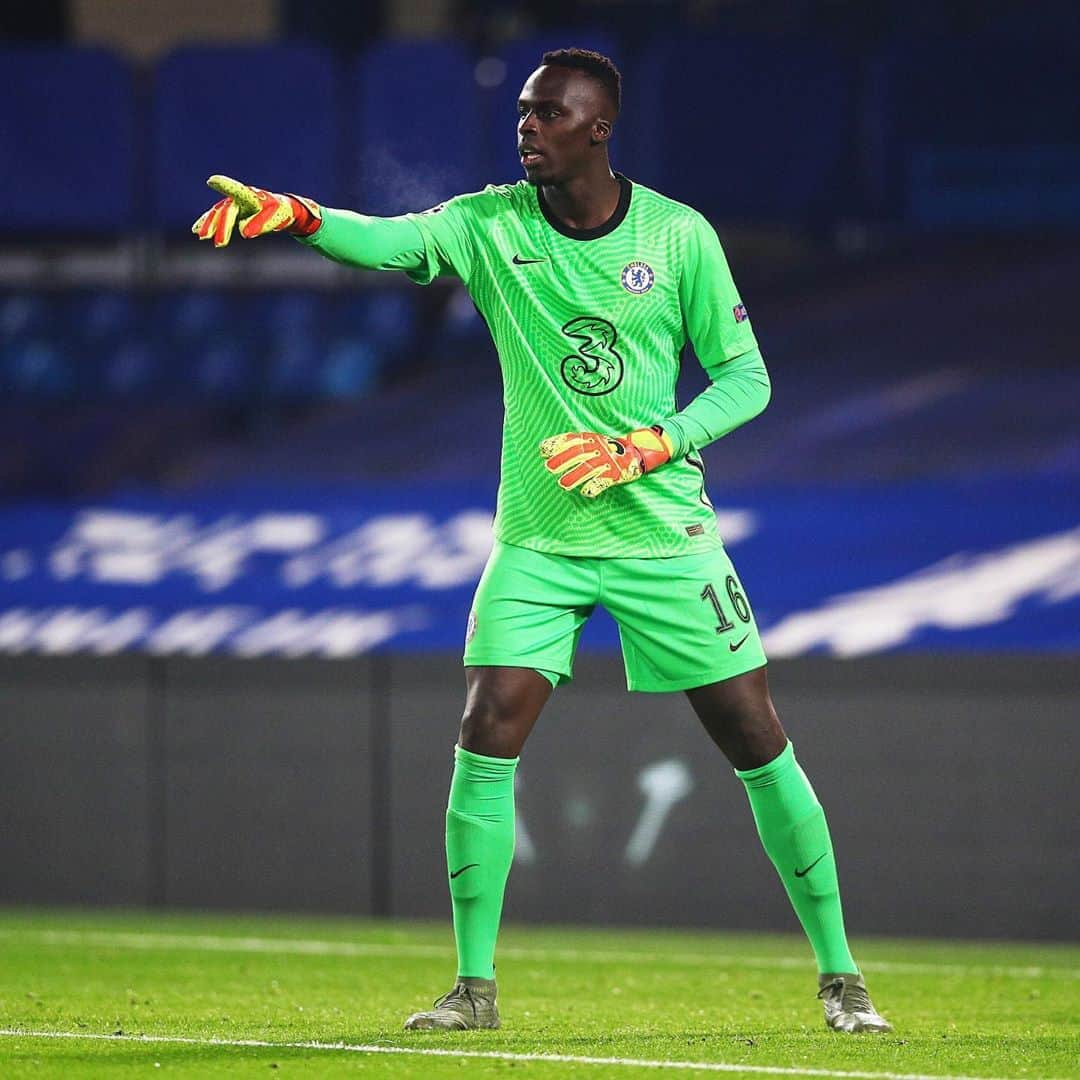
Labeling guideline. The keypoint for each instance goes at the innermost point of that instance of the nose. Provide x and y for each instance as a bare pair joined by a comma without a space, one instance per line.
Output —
527,123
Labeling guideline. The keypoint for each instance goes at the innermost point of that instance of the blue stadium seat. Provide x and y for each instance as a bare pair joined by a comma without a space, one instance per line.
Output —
196,315
206,342
133,367
100,317
365,330
350,368
981,91
24,314
386,318
288,313
392,318
37,359
95,325
67,136
223,371
749,127
975,116
264,114
463,335
292,368
417,127
293,326
521,58
39,367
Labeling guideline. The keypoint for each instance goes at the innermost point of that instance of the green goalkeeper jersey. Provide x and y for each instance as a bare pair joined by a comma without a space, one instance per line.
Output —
589,326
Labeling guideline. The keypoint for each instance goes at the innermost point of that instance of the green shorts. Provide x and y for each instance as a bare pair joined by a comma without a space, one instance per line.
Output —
683,621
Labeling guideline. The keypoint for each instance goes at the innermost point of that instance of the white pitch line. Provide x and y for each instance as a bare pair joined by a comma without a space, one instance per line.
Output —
308,947
490,1055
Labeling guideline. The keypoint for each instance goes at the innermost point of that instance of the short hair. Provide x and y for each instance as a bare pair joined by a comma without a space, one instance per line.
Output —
595,65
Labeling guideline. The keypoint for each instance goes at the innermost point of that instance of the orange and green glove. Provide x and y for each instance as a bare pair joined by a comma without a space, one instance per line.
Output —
594,462
260,212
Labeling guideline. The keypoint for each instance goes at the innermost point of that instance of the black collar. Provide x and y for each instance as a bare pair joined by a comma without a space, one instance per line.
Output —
597,231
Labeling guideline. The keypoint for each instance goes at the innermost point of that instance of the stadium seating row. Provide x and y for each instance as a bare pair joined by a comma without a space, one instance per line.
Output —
220,347
751,127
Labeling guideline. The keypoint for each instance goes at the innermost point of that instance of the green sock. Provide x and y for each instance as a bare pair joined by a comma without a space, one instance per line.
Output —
795,836
479,850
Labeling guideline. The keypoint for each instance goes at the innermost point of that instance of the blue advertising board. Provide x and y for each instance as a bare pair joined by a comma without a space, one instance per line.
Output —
840,571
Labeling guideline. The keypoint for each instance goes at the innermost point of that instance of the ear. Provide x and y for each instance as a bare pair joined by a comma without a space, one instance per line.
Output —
601,131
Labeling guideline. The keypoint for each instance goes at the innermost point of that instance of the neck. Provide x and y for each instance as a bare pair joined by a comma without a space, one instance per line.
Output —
586,201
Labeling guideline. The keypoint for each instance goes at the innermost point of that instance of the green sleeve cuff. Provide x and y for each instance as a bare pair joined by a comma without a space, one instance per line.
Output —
680,443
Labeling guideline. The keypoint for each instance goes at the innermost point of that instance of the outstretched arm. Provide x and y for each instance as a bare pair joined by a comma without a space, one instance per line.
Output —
354,239
375,243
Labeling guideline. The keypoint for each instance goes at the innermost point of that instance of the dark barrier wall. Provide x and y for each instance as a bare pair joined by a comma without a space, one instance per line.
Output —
304,785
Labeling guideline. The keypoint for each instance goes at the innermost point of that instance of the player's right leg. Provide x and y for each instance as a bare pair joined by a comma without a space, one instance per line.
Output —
527,616
502,704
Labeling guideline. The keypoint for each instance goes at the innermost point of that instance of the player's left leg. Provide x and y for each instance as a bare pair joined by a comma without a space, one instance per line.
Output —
686,624
739,716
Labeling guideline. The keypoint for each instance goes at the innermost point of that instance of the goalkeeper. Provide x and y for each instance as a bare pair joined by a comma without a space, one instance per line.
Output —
591,285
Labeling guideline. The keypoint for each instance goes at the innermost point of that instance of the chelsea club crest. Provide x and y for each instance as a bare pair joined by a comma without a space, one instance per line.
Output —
638,278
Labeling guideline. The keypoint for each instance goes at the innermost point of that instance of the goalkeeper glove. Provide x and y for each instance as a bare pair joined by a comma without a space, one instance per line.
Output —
596,462
260,212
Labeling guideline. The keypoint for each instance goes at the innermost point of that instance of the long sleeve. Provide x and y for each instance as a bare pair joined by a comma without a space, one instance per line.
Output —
426,246
716,322
374,243
739,390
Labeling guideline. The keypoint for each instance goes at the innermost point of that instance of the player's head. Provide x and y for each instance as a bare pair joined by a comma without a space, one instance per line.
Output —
567,109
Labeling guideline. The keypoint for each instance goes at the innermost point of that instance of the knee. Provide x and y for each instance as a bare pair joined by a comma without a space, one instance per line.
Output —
740,718
756,738
490,730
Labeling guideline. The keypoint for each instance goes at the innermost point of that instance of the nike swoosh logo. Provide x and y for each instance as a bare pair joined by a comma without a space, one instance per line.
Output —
457,873
735,646
803,873
517,260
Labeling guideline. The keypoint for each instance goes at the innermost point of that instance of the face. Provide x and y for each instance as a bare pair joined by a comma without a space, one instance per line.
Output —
564,117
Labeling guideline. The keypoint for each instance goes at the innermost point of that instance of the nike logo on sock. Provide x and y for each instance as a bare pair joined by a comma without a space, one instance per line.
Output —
803,873
456,873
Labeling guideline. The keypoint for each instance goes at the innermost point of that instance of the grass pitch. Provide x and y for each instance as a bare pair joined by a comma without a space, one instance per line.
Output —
202,996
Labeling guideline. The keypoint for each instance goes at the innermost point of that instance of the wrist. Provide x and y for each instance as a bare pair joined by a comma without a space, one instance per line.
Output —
307,216
681,443
654,446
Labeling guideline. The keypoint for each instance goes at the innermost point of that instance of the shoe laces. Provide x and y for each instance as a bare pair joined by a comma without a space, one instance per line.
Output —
459,993
850,996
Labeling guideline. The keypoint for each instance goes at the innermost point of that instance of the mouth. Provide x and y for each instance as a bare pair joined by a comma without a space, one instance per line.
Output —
529,155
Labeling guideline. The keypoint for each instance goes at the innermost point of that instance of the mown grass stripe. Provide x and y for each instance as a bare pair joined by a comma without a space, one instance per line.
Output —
308,947
488,1055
